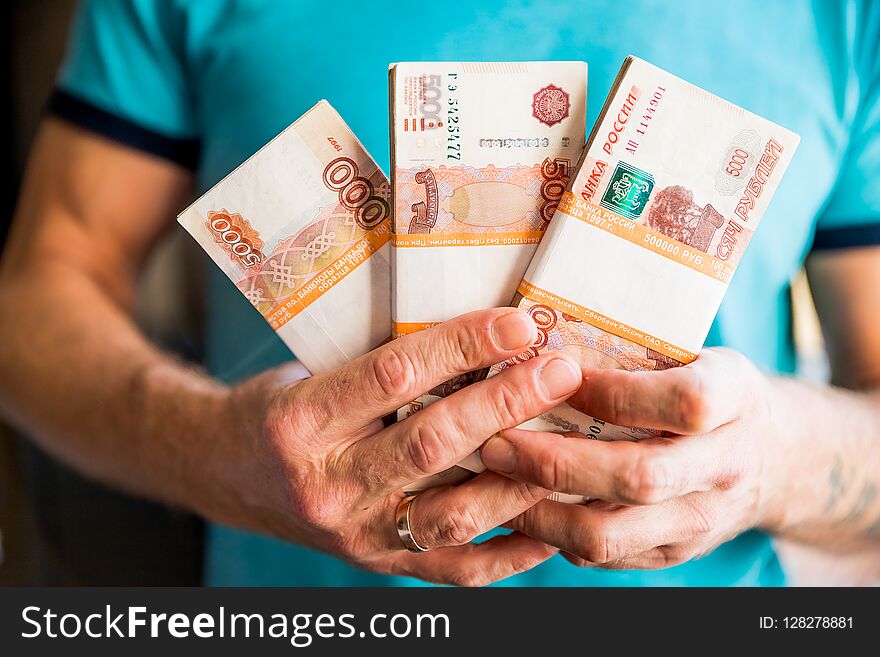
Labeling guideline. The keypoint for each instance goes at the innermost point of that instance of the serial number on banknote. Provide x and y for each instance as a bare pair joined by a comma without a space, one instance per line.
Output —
642,127
453,129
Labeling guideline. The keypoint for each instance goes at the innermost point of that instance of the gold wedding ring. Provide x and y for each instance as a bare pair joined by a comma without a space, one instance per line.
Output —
401,521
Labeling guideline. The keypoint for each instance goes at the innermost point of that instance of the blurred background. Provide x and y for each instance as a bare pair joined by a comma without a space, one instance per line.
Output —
55,527
59,529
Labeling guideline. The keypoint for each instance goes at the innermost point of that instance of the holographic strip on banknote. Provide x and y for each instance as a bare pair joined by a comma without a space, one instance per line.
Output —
302,229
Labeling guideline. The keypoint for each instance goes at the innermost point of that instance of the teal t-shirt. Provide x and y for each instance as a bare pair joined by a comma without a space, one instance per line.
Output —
170,76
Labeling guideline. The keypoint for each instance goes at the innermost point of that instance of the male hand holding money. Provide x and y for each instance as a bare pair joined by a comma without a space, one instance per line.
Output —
335,487
729,465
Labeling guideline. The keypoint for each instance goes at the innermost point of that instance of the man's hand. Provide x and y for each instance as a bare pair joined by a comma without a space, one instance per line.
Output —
747,450
315,465
664,500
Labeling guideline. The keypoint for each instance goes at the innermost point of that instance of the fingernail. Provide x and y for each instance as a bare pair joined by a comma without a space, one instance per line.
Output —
499,455
559,378
513,331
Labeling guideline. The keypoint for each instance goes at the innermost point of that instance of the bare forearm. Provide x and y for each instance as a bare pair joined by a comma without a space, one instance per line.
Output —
81,379
78,376
826,460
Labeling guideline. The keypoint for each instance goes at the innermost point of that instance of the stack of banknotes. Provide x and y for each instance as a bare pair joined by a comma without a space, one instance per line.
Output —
302,228
620,249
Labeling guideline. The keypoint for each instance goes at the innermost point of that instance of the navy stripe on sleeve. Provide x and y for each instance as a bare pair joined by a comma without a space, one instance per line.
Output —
83,114
847,237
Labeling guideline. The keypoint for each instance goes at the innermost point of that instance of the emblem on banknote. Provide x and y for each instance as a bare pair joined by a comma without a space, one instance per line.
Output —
675,214
550,105
236,236
628,191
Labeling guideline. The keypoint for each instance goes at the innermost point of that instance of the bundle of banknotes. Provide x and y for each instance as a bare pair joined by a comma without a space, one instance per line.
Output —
620,249
302,229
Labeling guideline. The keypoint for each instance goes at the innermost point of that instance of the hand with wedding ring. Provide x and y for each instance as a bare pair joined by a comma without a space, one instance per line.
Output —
318,467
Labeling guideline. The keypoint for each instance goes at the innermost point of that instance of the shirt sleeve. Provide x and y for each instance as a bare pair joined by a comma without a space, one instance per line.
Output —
124,77
852,215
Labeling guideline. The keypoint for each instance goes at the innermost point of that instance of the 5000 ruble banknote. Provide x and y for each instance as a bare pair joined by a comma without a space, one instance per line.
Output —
301,228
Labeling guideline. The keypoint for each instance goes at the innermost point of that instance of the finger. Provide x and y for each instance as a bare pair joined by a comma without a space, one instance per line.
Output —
457,515
396,373
647,472
651,560
440,435
576,561
692,399
662,556
478,564
606,536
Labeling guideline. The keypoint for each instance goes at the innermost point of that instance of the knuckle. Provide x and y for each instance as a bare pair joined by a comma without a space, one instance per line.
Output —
523,495
530,523
577,561
458,527
394,372
295,474
733,473
467,347
468,577
306,406
596,547
282,420
704,519
428,448
693,407
673,555
310,505
276,427
509,404
528,494
553,473
644,482
618,404
521,564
